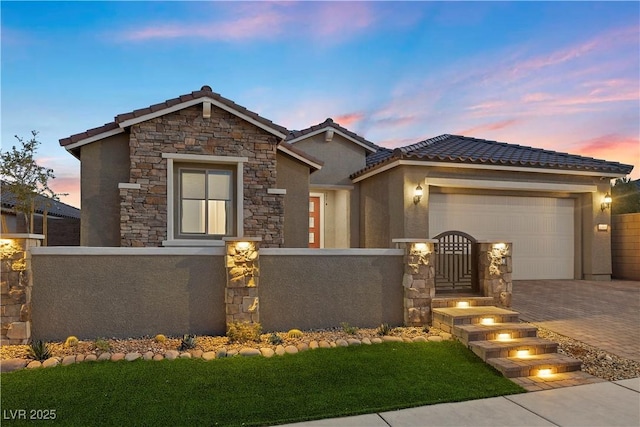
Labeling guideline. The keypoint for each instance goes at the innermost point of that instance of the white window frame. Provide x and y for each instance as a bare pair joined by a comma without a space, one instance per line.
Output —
208,161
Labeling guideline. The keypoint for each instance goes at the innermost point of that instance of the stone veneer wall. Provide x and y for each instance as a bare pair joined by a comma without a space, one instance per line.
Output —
143,212
16,283
494,271
243,276
418,281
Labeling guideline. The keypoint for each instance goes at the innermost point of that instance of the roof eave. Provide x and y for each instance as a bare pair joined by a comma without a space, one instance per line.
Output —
334,129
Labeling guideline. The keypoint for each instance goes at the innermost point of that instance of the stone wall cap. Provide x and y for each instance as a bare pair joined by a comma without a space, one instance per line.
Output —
414,240
22,236
242,239
506,242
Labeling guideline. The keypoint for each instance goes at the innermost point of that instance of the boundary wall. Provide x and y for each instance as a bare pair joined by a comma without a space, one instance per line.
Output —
625,246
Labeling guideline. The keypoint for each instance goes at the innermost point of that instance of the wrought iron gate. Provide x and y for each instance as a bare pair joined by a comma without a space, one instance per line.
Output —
455,262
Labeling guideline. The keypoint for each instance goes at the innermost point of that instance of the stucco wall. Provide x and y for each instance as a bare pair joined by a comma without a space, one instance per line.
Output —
625,246
294,177
93,296
103,165
323,291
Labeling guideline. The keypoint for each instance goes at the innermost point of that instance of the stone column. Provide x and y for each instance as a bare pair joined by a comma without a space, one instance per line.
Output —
418,280
16,282
243,277
494,271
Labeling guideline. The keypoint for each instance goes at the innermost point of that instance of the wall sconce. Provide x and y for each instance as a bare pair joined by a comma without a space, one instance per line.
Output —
420,248
243,246
607,202
417,195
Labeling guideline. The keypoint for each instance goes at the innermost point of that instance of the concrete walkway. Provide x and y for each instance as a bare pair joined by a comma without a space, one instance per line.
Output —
603,404
605,315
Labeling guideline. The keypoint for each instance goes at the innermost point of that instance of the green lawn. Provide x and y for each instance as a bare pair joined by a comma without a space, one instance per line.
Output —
254,391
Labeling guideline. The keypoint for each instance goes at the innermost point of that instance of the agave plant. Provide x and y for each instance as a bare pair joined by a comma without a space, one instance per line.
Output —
39,350
188,342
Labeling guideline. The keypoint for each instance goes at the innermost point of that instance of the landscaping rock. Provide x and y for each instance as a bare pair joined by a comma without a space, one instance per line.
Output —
280,350
267,352
303,346
130,357
221,353
387,338
353,341
171,354
80,358
90,358
333,344
104,356
435,338
116,357
185,355
419,339
10,365
376,340
34,364
197,354
324,344
68,360
51,362
158,357
148,355
366,341
291,349
342,343
232,353
249,352
313,345
445,335
208,355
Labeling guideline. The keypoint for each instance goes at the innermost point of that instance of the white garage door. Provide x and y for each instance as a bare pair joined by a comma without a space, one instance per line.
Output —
540,228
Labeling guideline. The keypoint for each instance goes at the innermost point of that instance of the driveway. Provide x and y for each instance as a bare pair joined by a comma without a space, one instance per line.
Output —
605,315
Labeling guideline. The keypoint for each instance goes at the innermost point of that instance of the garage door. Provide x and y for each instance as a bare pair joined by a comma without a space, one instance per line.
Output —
540,228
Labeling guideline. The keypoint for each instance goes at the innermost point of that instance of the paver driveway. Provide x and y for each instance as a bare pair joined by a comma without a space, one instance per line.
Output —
603,314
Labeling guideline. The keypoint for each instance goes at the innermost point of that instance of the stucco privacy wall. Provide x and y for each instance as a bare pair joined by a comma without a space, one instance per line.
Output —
625,246
143,212
320,288
127,295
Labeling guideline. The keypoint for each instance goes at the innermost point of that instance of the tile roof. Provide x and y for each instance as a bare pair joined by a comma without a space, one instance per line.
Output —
461,149
204,92
296,134
56,208
310,159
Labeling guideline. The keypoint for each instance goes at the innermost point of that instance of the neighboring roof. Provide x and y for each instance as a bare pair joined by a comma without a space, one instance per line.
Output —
121,121
465,150
298,135
56,208
315,164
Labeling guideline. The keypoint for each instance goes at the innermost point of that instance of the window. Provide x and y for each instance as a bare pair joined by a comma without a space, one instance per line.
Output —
206,202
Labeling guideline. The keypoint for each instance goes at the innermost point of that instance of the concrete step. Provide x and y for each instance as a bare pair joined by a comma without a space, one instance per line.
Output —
447,318
471,301
479,332
512,367
511,348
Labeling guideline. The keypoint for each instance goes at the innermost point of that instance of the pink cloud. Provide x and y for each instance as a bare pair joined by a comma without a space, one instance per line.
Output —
614,147
489,127
536,97
349,119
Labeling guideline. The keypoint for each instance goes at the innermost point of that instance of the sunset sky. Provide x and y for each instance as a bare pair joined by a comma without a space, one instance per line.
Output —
563,76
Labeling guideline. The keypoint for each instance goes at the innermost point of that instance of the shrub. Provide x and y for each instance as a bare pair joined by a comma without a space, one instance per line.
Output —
160,338
102,345
71,341
188,342
39,350
348,329
384,329
275,339
244,331
295,333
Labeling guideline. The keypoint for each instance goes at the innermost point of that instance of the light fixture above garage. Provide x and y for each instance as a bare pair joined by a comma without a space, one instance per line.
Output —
606,204
417,195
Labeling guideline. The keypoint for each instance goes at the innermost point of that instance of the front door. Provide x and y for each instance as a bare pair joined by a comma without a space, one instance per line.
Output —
314,222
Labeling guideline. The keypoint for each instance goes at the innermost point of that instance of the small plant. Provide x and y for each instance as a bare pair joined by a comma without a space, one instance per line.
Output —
71,341
102,345
348,329
295,333
39,350
244,331
188,342
161,339
275,339
384,329
425,329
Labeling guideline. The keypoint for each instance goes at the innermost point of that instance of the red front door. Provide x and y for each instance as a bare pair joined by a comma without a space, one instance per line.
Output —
314,222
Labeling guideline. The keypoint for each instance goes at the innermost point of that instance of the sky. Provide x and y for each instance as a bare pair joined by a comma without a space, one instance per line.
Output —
563,76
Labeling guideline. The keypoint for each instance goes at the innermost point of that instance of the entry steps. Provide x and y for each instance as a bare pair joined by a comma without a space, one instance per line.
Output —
496,336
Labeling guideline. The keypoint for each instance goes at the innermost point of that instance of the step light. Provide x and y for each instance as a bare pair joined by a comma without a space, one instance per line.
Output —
487,321
462,304
504,337
544,373
522,353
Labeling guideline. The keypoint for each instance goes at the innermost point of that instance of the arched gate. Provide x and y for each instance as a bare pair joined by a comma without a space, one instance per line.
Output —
456,263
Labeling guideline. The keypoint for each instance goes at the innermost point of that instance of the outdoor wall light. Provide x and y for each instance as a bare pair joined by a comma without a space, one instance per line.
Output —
462,304
544,372
420,248
417,195
487,321
522,353
607,202
243,246
504,337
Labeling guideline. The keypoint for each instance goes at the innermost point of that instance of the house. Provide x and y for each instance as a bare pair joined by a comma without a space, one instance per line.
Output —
194,169
63,221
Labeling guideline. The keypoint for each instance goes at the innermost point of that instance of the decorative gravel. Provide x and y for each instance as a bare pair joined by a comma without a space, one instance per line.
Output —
595,361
